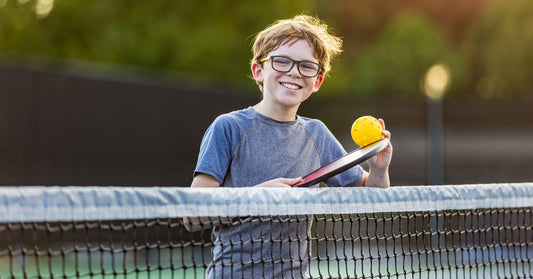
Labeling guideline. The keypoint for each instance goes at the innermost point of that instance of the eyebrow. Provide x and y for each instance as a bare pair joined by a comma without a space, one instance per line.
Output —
284,55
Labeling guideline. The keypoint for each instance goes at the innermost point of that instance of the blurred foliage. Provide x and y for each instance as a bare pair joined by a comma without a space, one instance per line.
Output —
402,54
501,50
198,40
388,45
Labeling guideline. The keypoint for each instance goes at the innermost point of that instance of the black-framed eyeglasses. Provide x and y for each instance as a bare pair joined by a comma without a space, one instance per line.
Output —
284,64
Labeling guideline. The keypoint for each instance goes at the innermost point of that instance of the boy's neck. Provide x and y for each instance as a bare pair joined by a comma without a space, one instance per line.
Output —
276,113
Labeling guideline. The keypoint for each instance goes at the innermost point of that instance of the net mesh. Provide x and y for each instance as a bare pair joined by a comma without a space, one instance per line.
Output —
363,240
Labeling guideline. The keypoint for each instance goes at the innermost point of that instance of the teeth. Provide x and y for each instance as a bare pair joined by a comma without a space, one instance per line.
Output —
291,86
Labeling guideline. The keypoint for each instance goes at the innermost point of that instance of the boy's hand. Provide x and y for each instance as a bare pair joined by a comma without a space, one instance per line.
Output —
382,160
280,182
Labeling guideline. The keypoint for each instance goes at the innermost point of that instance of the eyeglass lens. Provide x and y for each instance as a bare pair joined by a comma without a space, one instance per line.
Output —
285,64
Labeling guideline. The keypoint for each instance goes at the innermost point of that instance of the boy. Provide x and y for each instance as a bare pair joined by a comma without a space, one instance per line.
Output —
269,145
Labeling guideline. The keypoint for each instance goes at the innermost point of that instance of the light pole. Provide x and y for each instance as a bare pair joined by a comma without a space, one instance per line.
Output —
434,85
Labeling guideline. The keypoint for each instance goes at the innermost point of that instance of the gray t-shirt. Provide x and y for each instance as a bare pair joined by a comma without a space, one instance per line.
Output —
244,148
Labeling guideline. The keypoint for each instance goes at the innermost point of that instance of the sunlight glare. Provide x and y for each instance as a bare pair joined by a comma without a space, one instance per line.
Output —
43,8
436,81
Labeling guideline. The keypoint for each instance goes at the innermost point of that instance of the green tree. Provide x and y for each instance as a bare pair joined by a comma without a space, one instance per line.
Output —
202,41
501,50
401,55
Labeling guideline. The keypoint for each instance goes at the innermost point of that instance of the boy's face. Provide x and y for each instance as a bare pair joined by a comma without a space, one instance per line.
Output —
291,88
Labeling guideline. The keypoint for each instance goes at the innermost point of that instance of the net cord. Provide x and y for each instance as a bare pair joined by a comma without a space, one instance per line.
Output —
85,203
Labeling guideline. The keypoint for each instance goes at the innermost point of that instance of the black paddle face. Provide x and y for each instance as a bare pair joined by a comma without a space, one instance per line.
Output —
343,163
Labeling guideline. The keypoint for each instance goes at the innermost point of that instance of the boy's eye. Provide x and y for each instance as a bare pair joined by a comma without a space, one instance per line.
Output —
308,66
282,61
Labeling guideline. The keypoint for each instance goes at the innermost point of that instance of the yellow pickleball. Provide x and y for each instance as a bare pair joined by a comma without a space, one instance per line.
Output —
366,130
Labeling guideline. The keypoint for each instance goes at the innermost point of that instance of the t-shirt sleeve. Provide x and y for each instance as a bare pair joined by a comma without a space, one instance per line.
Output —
214,157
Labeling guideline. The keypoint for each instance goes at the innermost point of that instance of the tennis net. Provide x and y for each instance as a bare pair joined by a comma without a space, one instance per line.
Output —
452,231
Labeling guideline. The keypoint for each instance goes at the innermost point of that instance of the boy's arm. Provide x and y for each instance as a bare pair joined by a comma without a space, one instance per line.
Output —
193,224
378,174
204,180
376,178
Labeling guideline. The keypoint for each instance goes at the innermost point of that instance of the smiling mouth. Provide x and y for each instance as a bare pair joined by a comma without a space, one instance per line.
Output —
290,85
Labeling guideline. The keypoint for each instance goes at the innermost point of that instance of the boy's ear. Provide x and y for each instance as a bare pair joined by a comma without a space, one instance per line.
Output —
318,83
257,72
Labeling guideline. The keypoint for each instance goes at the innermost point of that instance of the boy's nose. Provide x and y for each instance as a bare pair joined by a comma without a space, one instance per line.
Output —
294,71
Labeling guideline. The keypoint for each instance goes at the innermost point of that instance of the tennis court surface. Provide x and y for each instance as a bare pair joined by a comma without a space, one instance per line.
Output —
451,231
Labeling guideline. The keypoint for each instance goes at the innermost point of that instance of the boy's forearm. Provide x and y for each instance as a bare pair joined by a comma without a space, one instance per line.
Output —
378,178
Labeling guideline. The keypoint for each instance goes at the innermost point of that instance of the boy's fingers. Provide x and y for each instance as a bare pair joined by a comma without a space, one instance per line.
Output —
291,181
382,122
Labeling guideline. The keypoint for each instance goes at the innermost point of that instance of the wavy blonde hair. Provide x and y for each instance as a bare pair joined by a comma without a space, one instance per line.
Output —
301,27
